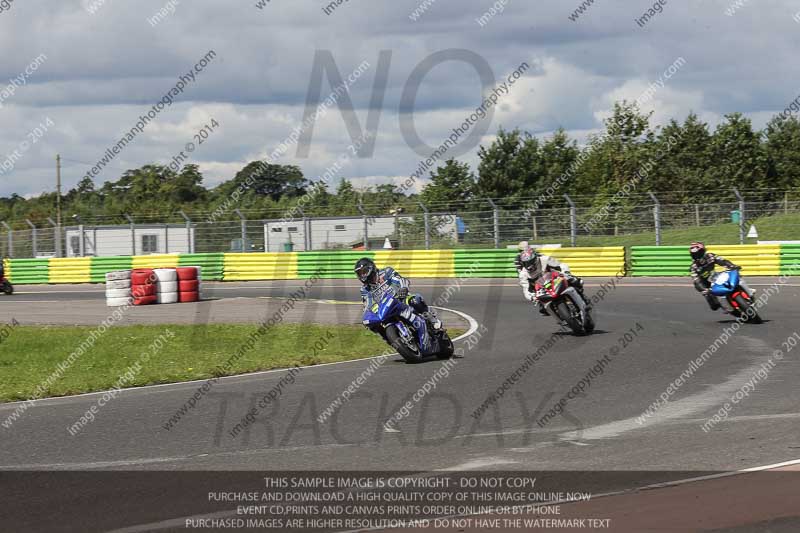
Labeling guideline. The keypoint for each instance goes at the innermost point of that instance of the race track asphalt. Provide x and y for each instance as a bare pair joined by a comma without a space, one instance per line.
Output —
669,326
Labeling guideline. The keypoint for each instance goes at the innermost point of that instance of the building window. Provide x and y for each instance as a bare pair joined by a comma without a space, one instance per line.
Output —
292,229
75,244
339,227
276,230
149,244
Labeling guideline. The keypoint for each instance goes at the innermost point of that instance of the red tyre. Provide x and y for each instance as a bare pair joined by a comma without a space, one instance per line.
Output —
143,276
139,291
188,296
186,273
189,285
145,300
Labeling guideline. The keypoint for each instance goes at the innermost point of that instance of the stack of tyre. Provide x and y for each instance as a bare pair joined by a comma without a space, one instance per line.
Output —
188,283
118,288
144,286
166,285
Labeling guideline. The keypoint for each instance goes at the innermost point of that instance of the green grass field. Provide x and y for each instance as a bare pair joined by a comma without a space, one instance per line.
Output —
31,353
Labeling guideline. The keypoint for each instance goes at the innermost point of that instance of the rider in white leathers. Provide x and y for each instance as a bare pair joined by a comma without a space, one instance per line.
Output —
531,266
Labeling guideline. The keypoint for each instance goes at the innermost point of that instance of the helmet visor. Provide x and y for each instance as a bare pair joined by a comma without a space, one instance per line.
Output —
364,272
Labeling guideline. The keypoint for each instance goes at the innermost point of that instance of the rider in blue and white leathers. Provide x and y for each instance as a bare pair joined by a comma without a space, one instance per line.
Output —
415,309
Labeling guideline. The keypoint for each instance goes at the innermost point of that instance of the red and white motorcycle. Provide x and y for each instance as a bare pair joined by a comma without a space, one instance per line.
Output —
564,303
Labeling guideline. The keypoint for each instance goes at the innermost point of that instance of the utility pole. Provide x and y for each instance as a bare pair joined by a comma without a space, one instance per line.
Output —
58,205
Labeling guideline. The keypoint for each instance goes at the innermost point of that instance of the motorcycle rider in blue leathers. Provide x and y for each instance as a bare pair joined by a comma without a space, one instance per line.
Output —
415,307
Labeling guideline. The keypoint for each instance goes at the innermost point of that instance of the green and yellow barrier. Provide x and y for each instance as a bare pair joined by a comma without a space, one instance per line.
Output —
790,259
212,264
27,270
765,260
69,270
329,265
585,262
755,259
255,266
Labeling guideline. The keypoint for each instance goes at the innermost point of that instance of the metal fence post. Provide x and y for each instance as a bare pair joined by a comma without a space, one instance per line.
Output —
741,215
166,238
34,247
656,217
133,233
496,218
366,225
10,240
573,221
426,217
81,237
243,222
306,236
189,239
56,247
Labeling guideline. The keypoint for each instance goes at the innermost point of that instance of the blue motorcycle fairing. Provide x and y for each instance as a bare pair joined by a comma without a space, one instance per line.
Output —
724,283
389,310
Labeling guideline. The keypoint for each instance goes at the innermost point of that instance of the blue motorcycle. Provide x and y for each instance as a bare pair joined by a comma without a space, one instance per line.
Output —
406,331
726,284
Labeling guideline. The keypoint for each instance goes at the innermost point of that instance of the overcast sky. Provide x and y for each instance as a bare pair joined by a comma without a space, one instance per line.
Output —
99,72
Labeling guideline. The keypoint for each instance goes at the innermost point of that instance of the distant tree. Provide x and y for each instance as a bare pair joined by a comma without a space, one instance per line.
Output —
782,147
686,159
452,186
738,157
506,165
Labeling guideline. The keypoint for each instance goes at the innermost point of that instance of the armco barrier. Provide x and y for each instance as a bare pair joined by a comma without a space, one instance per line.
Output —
599,261
103,265
94,269
334,265
585,262
27,270
212,264
70,270
479,263
253,266
790,259
755,259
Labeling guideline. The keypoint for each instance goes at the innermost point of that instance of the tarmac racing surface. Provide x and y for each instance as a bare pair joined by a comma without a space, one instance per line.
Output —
611,401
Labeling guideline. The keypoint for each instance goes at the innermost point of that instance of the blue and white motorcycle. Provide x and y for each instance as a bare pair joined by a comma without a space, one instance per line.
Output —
406,331
726,285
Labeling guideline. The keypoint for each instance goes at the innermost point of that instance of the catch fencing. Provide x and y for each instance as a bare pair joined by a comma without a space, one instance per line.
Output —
584,221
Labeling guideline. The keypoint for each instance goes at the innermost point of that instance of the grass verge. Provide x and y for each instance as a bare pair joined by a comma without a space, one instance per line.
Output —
30,354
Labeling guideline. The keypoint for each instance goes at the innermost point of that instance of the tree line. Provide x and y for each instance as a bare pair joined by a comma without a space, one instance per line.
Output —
686,161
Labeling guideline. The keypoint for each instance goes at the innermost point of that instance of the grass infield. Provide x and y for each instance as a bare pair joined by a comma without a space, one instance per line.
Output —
131,356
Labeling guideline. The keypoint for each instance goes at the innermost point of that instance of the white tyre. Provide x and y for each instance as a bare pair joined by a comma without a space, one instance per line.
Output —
118,293
118,302
118,275
118,284
167,286
168,298
165,274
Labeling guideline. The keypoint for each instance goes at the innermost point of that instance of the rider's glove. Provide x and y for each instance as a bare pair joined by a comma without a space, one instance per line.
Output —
402,293
706,292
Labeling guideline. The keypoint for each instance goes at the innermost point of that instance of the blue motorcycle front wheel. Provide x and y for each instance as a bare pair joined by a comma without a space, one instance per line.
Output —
405,347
